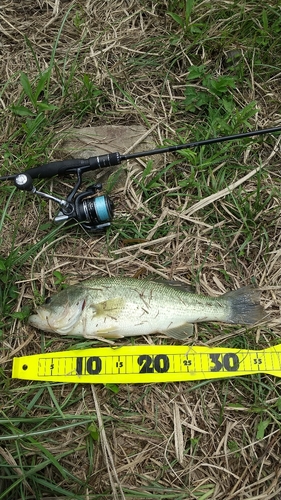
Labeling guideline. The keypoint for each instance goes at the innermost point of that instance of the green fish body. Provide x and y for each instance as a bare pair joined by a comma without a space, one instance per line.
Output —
122,307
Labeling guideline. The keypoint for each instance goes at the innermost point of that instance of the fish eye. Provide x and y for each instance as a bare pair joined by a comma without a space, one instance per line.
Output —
48,300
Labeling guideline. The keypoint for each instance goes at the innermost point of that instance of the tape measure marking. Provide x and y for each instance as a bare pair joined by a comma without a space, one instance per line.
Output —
149,363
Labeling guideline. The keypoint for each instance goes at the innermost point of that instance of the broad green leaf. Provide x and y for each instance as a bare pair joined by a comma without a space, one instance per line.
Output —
2,265
196,72
112,387
27,88
94,432
21,111
177,18
42,82
262,427
60,278
44,106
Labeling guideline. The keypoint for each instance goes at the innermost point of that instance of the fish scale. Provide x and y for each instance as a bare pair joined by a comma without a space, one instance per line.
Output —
121,307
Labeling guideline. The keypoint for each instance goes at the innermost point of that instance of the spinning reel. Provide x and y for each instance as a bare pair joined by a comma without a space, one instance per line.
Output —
94,211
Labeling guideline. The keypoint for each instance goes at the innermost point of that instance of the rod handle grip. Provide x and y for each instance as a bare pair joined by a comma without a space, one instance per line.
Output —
60,167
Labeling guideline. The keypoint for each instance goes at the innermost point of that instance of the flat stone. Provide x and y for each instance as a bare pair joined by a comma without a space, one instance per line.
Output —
100,140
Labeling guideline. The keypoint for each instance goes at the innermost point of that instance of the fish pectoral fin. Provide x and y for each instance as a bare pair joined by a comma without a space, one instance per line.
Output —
109,333
180,332
106,333
110,307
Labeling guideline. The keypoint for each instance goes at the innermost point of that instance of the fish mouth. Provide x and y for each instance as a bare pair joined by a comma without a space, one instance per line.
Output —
41,321
57,323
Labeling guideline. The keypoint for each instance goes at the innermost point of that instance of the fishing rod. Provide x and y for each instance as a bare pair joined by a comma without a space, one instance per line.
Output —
92,210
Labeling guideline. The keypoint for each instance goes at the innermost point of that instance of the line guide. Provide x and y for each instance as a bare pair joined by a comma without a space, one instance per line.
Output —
146,364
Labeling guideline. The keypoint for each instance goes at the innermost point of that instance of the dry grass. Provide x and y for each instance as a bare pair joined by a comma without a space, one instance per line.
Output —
212,220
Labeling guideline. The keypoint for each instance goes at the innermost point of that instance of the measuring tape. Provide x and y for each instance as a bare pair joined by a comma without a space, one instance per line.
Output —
146,364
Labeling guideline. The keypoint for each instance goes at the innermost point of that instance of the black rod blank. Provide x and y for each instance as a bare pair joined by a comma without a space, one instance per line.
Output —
96,162
214,140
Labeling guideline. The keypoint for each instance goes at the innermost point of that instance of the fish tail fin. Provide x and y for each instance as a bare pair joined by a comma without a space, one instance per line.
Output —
245,306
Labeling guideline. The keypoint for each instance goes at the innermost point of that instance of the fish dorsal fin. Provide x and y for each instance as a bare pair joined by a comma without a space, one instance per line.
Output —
175,284
180,332
110,307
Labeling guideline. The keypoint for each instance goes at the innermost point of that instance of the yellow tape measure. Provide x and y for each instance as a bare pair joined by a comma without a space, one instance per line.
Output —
146,364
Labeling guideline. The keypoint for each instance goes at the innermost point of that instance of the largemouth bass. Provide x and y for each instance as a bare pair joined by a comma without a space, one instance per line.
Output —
121,307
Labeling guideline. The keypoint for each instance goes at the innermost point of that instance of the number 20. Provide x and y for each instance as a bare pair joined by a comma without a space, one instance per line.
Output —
160,363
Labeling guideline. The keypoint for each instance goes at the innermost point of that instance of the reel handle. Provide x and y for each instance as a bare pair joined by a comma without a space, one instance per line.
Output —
24,182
